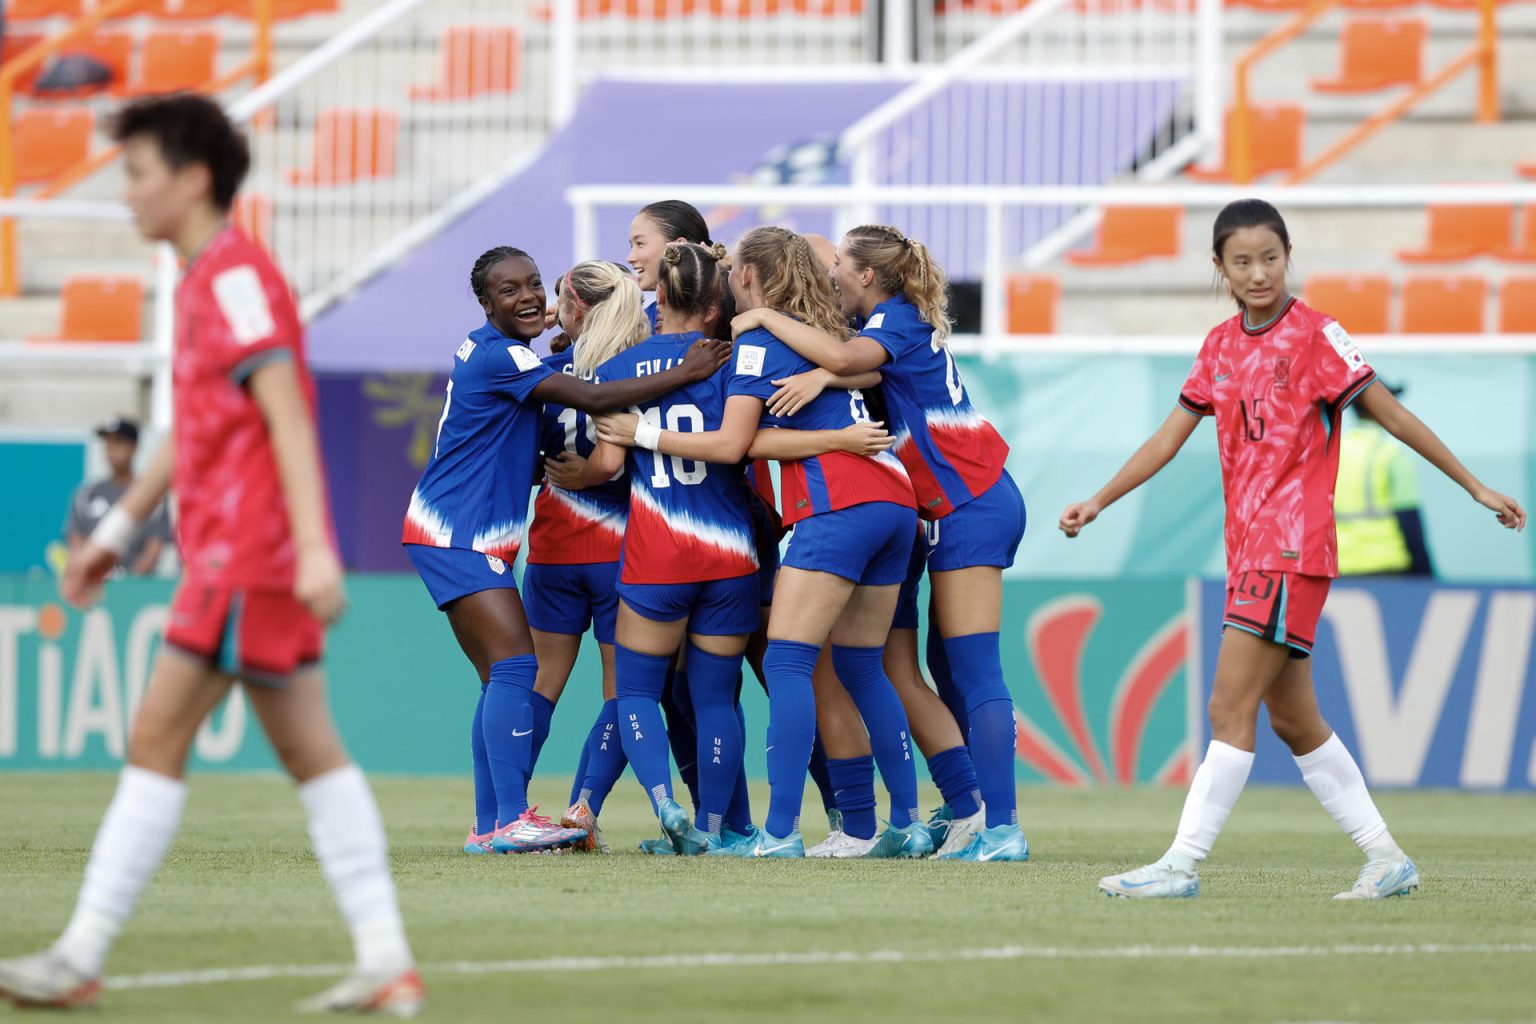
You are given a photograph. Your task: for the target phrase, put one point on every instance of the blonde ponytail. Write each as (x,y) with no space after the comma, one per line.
(615,313)
(904,266)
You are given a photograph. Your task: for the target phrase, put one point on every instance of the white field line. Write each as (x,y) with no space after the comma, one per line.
(685,961)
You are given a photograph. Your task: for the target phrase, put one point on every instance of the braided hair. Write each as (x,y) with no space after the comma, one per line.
(487,260)
(903,266)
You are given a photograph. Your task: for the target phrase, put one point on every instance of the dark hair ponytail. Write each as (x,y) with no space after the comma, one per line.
(678,219)
(1247,213)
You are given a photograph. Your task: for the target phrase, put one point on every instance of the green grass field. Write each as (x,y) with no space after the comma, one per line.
(751,941)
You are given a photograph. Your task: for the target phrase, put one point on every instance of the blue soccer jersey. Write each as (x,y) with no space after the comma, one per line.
(575,527)
(822,483)
(688,520)
(951,452)
(474,490)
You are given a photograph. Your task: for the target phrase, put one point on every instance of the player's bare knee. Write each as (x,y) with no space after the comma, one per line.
(159,743)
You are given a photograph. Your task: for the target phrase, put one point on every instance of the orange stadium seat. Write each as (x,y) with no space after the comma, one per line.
(47,141)
(1032,302)
(351,145)
(252,214)
(194,9)
(1523,248)
(1464,233)
(303,8)
(1377,53)
(29,10)
(1274,137)
(14,45)
(1517,305)
(1358,301)
(1526,170)
(477,59)
(113,50)
(175,60)
(1127,234)
(1378,5)
(1443,305)
(101,309)
(153,8)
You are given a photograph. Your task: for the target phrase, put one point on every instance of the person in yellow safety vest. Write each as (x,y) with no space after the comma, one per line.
(1376,504)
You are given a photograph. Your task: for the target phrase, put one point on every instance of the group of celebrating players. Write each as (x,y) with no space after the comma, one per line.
(657,523)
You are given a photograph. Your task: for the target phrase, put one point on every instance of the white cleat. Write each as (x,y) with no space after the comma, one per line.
(1153,882)
(46,980)
(961,832)
(389,995)
(841,844)
(1380,879)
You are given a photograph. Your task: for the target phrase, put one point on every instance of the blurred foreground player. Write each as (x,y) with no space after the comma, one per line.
(262,578)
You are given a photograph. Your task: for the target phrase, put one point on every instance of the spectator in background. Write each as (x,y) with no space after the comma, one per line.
(93,499)
(1376,503)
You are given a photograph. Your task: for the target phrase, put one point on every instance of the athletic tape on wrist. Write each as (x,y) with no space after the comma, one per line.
(647,434)
(115,531)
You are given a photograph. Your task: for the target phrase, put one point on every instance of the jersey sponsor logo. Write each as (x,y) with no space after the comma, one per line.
(1344,345)
(524,357)
(875,322)
(465,351)
(243,302)
(749,360)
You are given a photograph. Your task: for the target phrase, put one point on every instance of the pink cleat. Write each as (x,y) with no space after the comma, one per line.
(533,833)
(478,842)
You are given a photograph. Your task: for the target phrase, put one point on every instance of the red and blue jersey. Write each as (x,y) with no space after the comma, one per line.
(823,483)
(474,490)
(575,527)
(688,520)
(951,452)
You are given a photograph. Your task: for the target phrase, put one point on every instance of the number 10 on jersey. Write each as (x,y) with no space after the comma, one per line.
(680,419)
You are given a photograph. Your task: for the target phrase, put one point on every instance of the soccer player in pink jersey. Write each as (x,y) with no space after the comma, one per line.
(1277,378)
(262,577)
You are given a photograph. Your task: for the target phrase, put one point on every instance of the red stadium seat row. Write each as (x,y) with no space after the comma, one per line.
(168,60)
(1458,233)
(32,10)
(1428,304)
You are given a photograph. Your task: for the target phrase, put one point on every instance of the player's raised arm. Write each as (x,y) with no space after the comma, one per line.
(1399,421)
(90,563)
(1155,453)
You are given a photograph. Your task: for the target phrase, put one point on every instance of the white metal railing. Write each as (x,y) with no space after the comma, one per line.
(991,204)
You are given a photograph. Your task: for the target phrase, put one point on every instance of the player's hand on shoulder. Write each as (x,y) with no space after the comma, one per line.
(741,323)
(869,438)
(318,583)
(617,428)
(566,471)
(1077,516)
(796,392)
(705,356)
(85,574)
(1508,510)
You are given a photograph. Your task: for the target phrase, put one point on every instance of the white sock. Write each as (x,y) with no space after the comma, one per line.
(134,835)
(1335,779)
(1217,784)
(348,836)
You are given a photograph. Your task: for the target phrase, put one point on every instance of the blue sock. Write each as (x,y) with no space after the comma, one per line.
(955,776)
(641,678)
(853,779)
(682,730)
(821,776)
(977,664)
(581,766)
(507,724)
(791,729)
(605,758)
(712,683)
(738,816)
(862,671)
(943,679)
(543,711)
(485,786)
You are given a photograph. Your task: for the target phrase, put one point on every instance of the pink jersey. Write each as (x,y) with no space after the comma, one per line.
(1278,394)
(234,315)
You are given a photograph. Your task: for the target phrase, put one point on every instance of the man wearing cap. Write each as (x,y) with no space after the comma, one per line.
(1376,503)
(93,499)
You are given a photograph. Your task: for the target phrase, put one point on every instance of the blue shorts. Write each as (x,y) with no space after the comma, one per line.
(452,573)
(869,544)
(568,598)
(906,604)
(713,607)
(984,531)
(767,553)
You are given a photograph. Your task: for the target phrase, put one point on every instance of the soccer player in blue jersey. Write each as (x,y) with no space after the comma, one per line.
(650,232)
(466,518)
(854,519)
(973,512)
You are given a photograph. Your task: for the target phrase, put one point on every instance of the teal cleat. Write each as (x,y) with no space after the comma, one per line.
(938,824)
(1381,879)
(1001,842)
(729,838)
(661,847)
(902,843)
(765,845)
(677,823)
(1157,881)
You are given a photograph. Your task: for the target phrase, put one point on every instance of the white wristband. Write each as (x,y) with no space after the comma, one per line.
(647,434)
(115,531)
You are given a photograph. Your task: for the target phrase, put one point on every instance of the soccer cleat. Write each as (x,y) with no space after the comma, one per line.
(658,847)
(1380,879)
(677,823)
(46,980)
(840,845)
(478,842)
(765,845)
(579,815)
(1153,882)
(902,843)
(394,995)
(958,833)
(730,838)
(1001,842)
(938,825)
(533,833)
